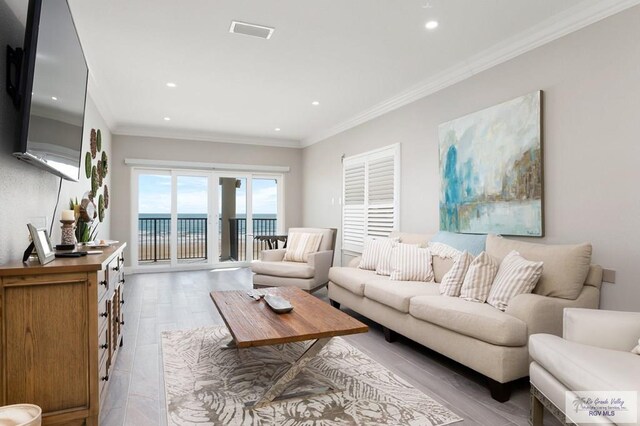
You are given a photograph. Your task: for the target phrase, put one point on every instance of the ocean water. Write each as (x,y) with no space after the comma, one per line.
(188,224)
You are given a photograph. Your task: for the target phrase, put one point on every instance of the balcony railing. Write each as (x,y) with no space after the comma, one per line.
(154,237)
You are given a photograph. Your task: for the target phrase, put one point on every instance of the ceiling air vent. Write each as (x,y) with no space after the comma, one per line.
(251,29)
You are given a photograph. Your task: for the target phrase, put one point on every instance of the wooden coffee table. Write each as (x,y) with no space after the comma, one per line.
(253,323)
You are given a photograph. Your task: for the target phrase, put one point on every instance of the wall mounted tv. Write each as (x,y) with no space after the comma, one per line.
(48,83)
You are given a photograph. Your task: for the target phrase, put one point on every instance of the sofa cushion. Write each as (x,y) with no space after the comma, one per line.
(411,263)
(582,367)
(440,266)
(409,238)
(565,266)
(477,320)
(451,282)
(516,275)
(351,279)
(284,269)
(375,252)
(300,244)
(397,294)
(474,244)
(477,282)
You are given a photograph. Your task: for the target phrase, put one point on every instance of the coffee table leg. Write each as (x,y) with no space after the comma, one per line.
(231,344)
(281,384)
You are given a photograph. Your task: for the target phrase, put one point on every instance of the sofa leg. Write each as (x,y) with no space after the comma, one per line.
(334,304)
(501,392)
(389,335)
(537,412)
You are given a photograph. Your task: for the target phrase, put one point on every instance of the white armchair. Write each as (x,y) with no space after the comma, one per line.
(273,271)
(593,354)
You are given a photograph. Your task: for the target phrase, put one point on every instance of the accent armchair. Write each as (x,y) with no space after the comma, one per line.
(273,271)
(593,354)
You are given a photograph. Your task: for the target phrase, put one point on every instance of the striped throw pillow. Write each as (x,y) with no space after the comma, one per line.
(452,281)
(410,263)
(516,275)
(375,252)
(300,244)
(477,281)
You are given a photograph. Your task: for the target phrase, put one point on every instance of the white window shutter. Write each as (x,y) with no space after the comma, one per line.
(353,210)
(381,196)
(371,188)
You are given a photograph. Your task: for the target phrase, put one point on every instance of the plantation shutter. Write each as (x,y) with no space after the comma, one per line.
(370,188)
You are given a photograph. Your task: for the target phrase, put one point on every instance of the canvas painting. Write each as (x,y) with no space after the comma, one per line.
(491,170)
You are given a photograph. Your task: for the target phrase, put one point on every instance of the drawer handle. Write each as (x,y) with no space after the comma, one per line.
(122,302)
(105,378)
(116,268)
(122,322)
(104,283)
(104,314)
(122,281)
(104,346)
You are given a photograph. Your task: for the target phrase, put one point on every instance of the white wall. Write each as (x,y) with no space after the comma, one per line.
(198,151)
(591,84)
(26,192)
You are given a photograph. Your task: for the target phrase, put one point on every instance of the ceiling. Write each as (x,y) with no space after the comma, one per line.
(357,58)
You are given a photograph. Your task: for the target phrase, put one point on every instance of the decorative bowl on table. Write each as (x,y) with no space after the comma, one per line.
(278,304)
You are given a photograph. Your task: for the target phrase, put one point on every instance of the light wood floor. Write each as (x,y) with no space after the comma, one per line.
(180,300)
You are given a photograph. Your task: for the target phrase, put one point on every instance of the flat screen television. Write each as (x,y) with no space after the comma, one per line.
(52,90)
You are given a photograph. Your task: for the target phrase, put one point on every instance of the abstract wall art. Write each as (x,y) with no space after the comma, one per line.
(491,170)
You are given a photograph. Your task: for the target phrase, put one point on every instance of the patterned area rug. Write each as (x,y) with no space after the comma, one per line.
(207,385)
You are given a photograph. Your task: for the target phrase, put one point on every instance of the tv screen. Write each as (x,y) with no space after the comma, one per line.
(54,87)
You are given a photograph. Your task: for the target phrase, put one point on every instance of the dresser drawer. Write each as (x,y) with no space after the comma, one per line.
(103,283)
(103,314)
(103,375)
(103,345)
(114,271)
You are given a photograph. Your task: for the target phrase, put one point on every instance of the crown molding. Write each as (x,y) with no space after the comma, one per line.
(551,29)
(164,133)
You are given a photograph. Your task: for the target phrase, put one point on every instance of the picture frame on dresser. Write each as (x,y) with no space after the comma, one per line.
(41,243)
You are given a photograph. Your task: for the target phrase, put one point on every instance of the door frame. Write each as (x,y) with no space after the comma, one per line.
(212,225)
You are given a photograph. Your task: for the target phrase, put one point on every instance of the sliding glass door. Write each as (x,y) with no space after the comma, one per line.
(189,219)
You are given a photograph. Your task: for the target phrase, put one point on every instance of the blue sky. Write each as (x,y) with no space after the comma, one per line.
(155,195)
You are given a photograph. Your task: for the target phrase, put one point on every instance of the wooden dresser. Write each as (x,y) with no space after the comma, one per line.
(61,326)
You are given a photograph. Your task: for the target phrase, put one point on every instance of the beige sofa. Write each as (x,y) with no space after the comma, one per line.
(477,335)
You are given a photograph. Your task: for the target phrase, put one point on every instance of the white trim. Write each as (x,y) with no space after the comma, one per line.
(192,165)
(551,29)
(167,133)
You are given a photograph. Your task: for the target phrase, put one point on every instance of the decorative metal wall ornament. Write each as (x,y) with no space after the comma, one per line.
(99,140)
(93,143)
(105,164)
(106,196)
(101,208)
(87,165)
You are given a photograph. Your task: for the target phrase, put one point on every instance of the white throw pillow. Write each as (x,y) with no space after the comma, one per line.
(410,263)
(300,244)
(480,275)
(636,350)
(452,281)
(443,250)
(516,275)
(375,252)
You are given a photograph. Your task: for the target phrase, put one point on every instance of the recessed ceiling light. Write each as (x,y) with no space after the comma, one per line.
(277,129)
(171,84)
(54,98)
(167,119)
(315,103)
(431,25)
